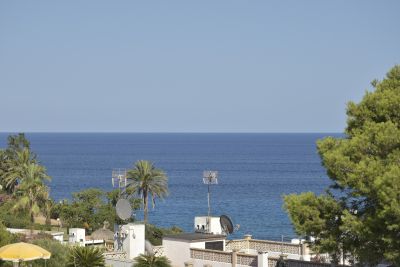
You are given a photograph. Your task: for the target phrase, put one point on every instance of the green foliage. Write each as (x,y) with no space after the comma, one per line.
(155,234)
(151,261)
(145,179)
(12,159)
(89,209)
(85,257)
(361,209)
(6,237)
(18,142)
(23,177)
(312,216)
(13,219)
(59,253)
(32,192)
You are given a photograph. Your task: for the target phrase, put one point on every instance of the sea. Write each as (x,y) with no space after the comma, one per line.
(255,171)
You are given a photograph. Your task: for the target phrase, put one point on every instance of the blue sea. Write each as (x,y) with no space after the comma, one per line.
(255,171)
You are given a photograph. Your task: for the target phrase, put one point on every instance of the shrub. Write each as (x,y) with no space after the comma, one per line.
(85,257)
(59,253)
(155,234)
(151,261)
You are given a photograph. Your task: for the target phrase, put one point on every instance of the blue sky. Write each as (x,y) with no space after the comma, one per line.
(185,66)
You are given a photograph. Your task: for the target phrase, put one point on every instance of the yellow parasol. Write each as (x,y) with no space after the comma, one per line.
(19,252)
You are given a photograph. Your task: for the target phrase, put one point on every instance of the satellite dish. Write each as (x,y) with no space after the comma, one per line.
(124,210)
(226,224)
(148,247)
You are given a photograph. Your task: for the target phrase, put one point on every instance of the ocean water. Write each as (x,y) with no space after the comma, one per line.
(255,171)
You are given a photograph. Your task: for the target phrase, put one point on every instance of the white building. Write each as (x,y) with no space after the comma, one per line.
(129,242)
(177,247)
(207,224)
(77,236)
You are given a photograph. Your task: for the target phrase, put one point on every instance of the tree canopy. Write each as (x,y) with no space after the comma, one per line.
(360,213)
(13,159)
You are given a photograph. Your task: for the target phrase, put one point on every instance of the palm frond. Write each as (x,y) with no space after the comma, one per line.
(146,180)
(151,261)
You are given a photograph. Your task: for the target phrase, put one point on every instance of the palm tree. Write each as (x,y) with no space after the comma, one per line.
(151,261)
(15,168)
(145,179)
(85,257)
(32,191)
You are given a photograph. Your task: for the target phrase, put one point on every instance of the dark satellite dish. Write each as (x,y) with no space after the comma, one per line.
(124,210)
(226,224)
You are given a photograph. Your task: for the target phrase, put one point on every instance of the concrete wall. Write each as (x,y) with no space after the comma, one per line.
(201,245)
(132,237)
(202,263)
(177,252)
(215,226)
(288,256)
(201,257)
(58,237)
(264,245)
(118,263)
(77,235)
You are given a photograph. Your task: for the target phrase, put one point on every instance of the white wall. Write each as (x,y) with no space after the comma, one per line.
(177,252)
(201,263)
(58,237)
(133,243)
(201,245)
(118,263)
(77,235)
(215,226)
(289,256)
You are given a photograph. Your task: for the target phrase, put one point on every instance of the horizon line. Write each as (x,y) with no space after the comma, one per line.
(170,132)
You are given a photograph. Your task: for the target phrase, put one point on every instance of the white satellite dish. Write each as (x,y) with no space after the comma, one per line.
(124,209)
(148,247)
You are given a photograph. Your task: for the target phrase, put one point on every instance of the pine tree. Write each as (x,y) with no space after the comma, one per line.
(360,212)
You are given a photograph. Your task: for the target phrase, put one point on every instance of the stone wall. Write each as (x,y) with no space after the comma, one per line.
(211,255)
(117,259)
(248,260)
(225,257)
(221,258)
(264,245)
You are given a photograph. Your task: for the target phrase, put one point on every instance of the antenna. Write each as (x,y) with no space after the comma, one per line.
(123,207)
(210,178)
(118,179)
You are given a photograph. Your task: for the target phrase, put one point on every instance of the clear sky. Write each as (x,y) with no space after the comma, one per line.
(190,66)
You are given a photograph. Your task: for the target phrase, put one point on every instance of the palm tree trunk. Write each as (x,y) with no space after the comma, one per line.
(32,223)
(145,203)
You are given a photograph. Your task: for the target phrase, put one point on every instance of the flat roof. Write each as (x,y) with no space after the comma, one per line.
(195,237)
